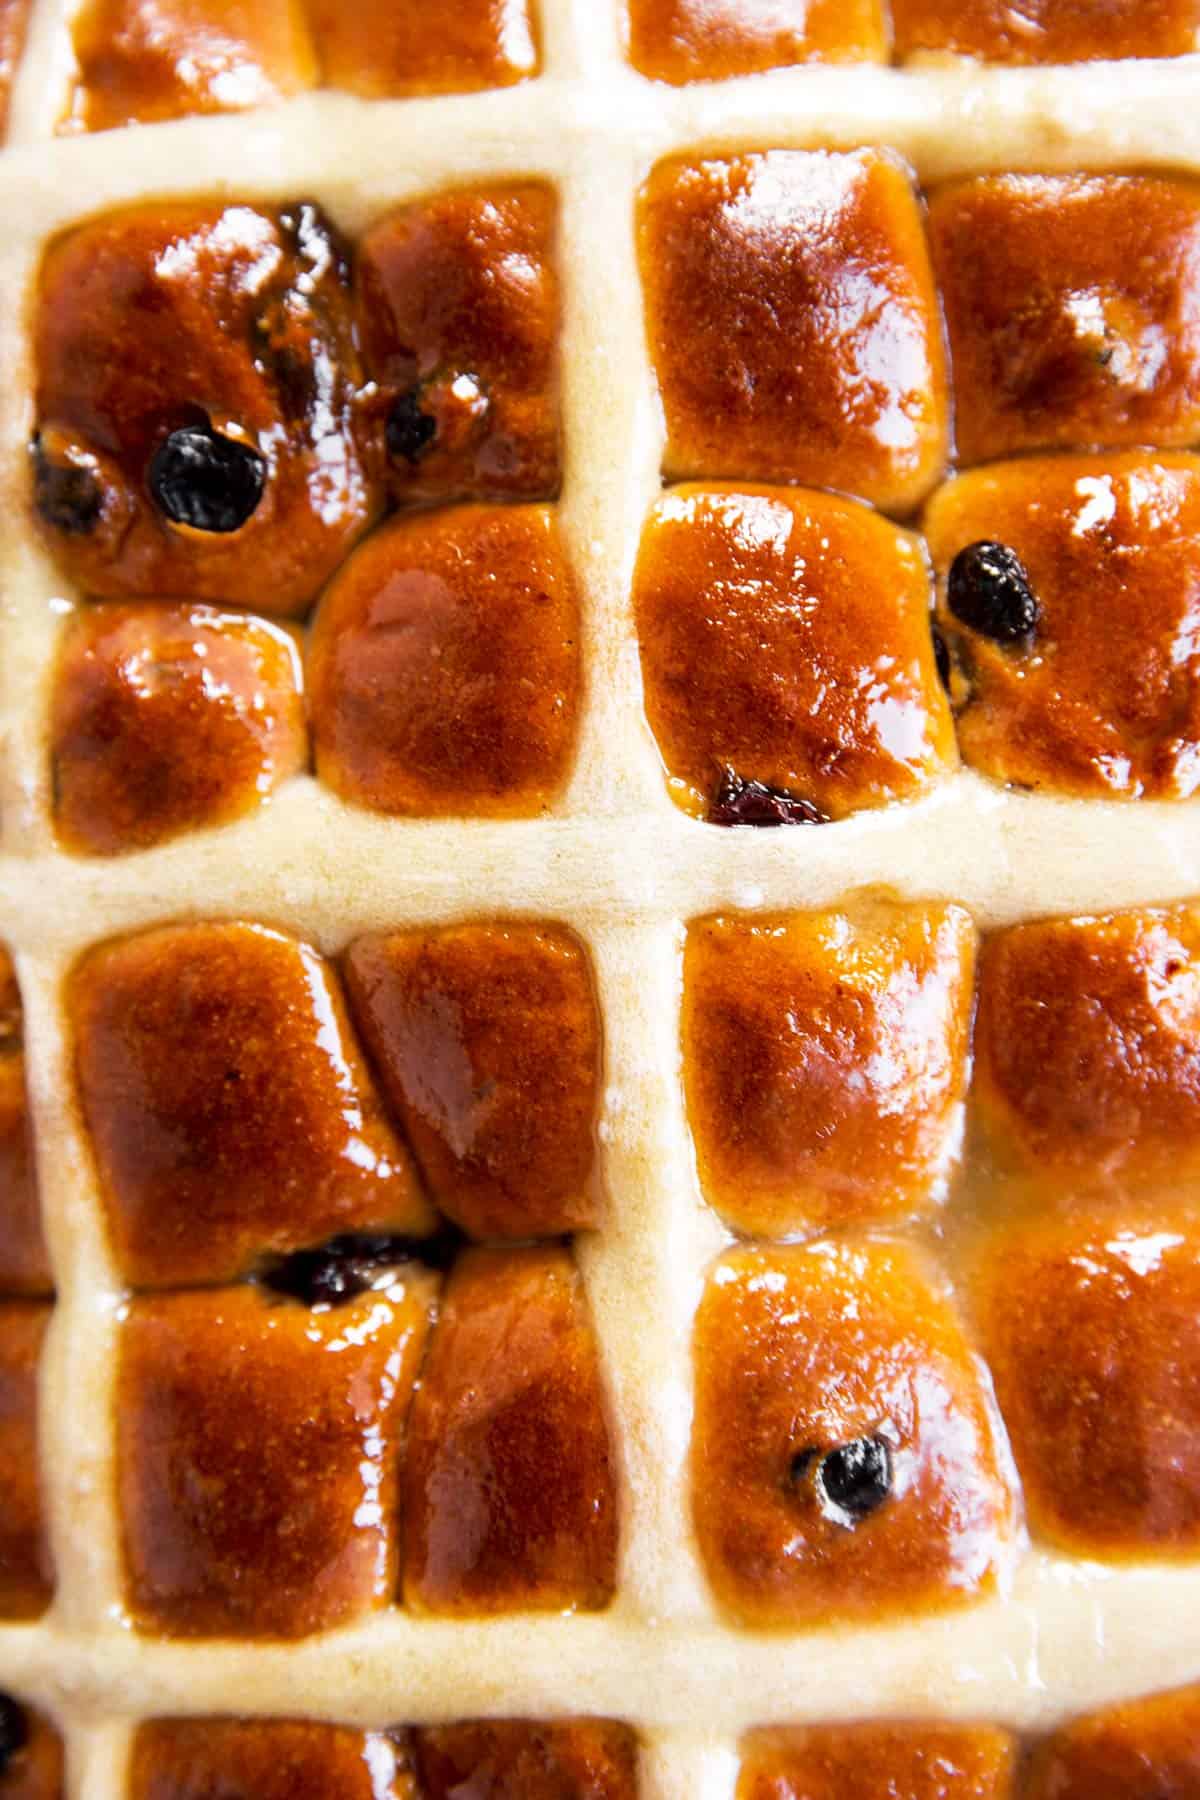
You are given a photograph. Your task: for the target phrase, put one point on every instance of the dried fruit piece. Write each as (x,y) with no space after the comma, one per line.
(345,1267)
(988,591)
(67,494)
(741,802)
(206,481)
(850,1481)
(410,432)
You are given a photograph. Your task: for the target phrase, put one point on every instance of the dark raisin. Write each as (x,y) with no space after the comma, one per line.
(856,1478)
(741,802)
(989,592)
(410,432)
(207,481)
(67,495)
(941,656)
(334,1272)
(848,1482)
(345,1267)
(14,1730)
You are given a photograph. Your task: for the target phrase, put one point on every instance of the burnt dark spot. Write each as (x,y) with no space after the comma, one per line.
(848,1482)
(206,481)
(988,591)
(941,656)
(410,432)
(741,802)
(14,1730)
(67,495)
(339,1271)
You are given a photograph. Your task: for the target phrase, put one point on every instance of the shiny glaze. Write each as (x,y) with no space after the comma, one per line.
(1047,31)
(258,1456)
(36,1771)
(24,1264)
(825,1061)
(709,40)
(516,1759)
(26,1572)
(147,319)
(864,1762)
(166,718)
(1087,1050)
(384,48)
(234,1759)
(1142,1750)
(803,1348)
(786,635)
(14,17)
(794,324)
(1091,1326)
(142,60)
(458,309)
(230,1109)
(444,669)
(1073,306)
(487,1043)
(509,1489)
(1106,699)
